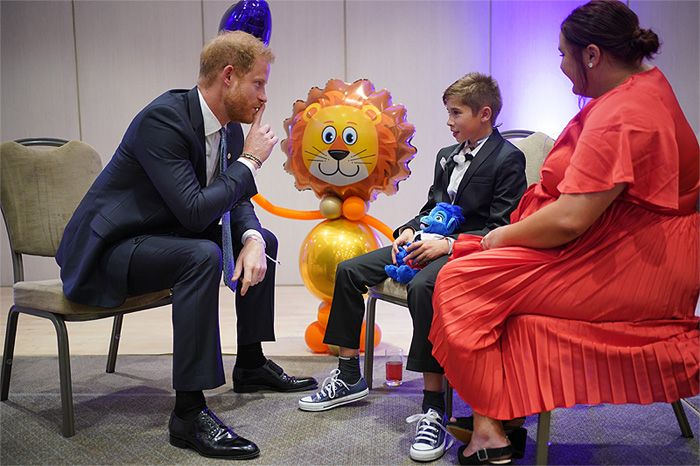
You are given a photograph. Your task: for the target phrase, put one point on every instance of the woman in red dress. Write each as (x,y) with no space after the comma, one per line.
(601,255)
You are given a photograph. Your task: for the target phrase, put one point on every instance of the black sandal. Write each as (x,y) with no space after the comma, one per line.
(501,455)
(463,427)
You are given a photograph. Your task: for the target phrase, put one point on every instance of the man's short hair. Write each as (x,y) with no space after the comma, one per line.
(476,91)
(236,48)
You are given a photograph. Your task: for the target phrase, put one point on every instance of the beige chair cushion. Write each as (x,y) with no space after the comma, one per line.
(535,147)
(47,295)
(392,289)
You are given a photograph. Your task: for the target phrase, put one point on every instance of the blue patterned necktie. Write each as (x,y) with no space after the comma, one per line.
(226,243)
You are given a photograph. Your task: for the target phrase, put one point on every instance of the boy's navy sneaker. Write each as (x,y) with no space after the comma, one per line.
(429,443)
(334,392)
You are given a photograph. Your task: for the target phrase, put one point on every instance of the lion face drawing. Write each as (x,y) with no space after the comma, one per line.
(347,140)
(340,142)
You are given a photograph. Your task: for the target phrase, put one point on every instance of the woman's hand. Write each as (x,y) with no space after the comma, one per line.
(495,238)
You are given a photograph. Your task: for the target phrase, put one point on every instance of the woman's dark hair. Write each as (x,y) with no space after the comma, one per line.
(613,27)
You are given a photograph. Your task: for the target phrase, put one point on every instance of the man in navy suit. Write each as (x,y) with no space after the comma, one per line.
(483,174)
(151,219)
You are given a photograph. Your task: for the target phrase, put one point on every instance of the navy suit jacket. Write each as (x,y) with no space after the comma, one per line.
(154,184)
(489,191)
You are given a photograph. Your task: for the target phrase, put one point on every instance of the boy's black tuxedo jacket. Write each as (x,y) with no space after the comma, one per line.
(489,191)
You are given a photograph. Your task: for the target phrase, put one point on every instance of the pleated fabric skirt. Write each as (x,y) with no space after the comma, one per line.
(609,318)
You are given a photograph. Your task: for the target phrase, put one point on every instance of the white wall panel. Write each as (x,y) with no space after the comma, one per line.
(677,23)
(415,50)
(128,54)
(307,39)
(39,86)
(525,61)
(38,94)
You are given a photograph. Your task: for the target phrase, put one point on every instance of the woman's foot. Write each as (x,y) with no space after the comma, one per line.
(485,456)
(488,444)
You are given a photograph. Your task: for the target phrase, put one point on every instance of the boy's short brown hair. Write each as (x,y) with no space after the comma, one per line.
(476,91)
(236,48)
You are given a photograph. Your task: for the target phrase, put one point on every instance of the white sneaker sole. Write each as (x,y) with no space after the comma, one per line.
(427,455)
(325,406)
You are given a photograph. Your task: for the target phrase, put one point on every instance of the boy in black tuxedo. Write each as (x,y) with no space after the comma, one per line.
(483,174)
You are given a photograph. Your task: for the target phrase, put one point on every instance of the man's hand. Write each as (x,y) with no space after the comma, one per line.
(260,139)
(422,252)
(406,236)
(252,263)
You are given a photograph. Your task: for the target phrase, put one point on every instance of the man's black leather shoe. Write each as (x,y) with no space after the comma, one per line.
(269,376)
(210,437)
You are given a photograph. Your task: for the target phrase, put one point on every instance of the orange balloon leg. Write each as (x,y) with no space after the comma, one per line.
(314,337)
(324,310)
(377,336)
(316,331)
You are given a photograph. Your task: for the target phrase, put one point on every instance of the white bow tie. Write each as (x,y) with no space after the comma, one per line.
(461,159)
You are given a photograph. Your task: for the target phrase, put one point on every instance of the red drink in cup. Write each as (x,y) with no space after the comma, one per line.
(394,373)
(394,367)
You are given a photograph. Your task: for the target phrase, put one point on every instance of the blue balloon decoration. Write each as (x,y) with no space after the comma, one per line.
(251,16)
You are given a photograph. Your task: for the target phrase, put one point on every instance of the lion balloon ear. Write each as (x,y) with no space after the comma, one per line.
(310,111)
(373,113)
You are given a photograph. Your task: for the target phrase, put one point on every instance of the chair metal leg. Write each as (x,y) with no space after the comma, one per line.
(114,343)
(369,340)
(542,452)
(8,353)
(448,398)
(68,427)
(686,431)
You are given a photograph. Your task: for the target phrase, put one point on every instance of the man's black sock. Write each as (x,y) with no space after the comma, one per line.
(189,404)
(349,369)
(250,356)
(435,400)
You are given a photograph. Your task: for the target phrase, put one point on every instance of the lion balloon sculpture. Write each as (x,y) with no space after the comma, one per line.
(347,143)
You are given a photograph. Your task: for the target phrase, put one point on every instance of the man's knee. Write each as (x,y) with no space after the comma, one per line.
(205,255)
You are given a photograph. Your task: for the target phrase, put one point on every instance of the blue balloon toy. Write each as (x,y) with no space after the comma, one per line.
(251,16)
(442,221)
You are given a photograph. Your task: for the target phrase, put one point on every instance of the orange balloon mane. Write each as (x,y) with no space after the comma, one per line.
(348,140)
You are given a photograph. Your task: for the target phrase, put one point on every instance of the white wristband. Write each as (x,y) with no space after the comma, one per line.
(253,234)
(450,242)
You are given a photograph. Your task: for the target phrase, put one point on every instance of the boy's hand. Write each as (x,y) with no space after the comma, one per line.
(406,236)
(260,139)
(422,252)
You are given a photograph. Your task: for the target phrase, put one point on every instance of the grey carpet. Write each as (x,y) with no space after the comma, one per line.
(121,418)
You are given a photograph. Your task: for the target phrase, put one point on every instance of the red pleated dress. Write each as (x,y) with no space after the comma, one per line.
(608,317)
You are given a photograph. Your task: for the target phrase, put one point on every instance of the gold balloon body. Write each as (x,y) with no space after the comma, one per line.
(327,245)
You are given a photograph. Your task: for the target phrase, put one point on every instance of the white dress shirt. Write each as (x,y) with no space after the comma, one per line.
(461,166)
(212,138)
